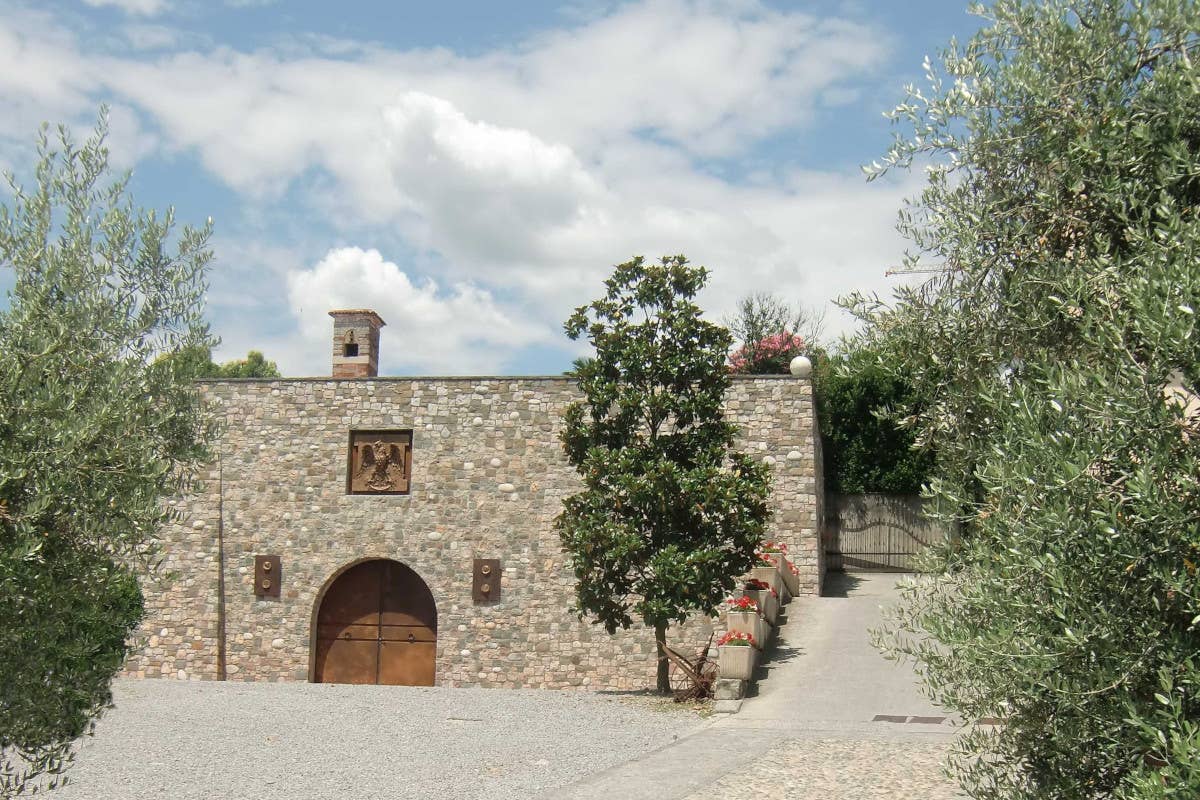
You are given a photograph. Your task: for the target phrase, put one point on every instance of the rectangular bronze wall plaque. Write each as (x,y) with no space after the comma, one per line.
(379,462)
(267,576)
(486,586)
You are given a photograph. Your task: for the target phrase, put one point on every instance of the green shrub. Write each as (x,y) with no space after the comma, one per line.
(864,448)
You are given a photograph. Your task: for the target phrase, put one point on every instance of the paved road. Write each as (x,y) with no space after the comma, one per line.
(810,733)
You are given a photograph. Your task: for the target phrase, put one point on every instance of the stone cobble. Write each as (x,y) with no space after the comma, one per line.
(841,769)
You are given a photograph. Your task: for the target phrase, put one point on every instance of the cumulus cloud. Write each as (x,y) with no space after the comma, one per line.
(42,73)
(458,330)
(480,189)
(708,77)
(704,78)
(518,175)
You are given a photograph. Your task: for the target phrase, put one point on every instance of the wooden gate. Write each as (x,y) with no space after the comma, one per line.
(377,623)
(877,532)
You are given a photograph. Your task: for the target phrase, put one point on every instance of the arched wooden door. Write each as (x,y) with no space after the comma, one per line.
(377,623)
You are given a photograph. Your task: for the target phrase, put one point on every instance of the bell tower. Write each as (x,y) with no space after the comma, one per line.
(356,343)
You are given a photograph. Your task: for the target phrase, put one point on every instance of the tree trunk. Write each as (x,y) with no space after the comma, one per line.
(664,666)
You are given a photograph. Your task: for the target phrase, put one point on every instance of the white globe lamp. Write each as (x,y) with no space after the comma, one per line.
(801,367)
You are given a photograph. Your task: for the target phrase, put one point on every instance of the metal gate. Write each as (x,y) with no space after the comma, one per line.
(877,532)
(377,623)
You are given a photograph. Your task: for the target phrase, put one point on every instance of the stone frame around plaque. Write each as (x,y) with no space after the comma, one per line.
(379,462)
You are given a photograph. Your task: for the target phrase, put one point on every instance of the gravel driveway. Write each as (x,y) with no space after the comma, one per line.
(184,740)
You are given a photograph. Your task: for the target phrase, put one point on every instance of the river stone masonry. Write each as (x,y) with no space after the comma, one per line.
(488,478)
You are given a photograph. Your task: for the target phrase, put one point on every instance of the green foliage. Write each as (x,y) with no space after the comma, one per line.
(199,361)
(1060,226)
(96,429)
(254,365)
(865,447)
(670,514)
(578,364)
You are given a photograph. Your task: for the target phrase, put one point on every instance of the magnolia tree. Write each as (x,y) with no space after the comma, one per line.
(669,513)
(1061,231)
(96,428)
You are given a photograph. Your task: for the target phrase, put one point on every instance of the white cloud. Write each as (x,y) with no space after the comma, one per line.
(522,173)
(460,331)
(42,74)
(145,8)
(480,190)
(705,78)
(709,77)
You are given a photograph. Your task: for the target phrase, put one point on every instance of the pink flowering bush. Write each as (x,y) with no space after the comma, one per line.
(770,355)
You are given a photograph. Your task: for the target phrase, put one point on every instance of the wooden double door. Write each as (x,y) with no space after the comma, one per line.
(377,623)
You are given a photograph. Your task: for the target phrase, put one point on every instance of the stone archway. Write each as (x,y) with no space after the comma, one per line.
(376,622)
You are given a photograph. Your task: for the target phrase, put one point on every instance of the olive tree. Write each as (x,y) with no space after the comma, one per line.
(1055,348)
(669,513)
(96,428)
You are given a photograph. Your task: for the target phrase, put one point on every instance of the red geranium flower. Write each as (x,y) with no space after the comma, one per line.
(737,639)
(742,603)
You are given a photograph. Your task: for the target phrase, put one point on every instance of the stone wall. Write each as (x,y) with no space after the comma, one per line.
(488,478)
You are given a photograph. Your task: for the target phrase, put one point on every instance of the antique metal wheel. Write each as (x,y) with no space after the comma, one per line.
(692,678)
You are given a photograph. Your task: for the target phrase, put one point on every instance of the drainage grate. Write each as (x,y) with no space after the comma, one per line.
(911,720)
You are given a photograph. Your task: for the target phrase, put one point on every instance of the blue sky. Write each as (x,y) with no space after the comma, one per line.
(472,170)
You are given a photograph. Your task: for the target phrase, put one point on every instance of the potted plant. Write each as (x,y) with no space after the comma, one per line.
(738,655)
(787,570)
(767,570)
(766,597)
(742,616)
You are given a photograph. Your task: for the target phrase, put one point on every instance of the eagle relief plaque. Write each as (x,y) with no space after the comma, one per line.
(380,462)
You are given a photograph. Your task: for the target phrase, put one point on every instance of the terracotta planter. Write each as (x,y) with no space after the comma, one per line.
(769,576)
(767,603)
(747,622)
(737,661)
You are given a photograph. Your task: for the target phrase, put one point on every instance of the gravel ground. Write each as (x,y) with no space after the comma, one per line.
(299,741)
